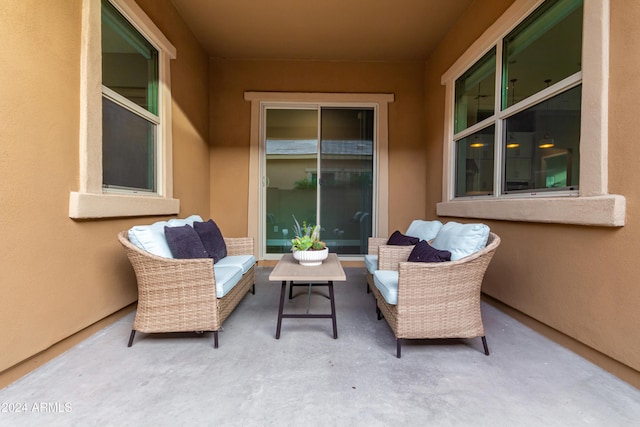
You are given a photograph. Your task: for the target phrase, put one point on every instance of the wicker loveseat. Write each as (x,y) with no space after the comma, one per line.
(434,299)
(179,295)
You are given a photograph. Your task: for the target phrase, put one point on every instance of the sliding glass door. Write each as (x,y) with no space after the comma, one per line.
(319,169)
(291,174)
(346,196)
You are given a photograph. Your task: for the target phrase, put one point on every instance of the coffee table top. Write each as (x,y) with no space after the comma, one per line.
(288,268)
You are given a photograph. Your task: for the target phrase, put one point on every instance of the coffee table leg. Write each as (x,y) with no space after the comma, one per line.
(333,310)
(283,291)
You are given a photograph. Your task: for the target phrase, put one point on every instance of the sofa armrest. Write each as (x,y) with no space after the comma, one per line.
(374,243)
(239,245)
(437,280)
(168,288)
(390,255)
(155,268)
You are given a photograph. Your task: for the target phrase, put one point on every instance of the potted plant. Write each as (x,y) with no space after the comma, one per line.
(307,247)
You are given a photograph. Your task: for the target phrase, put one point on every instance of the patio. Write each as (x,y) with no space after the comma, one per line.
(307,378)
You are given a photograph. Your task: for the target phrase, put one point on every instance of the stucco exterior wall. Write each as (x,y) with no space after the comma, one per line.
(59,275)
(579,280)
(231,115)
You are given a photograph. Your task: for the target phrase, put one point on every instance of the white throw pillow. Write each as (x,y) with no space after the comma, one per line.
(424,230)
(461,239)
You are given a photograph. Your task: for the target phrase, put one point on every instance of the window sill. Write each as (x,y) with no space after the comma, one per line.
(89,205)
(605,211)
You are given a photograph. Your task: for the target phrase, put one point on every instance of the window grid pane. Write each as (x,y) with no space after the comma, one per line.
(129,61)
(544,49)
(475,164)
(542,145)
(128,149)
(475,93)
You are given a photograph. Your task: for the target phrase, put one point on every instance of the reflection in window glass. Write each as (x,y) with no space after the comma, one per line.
(129,135)
(544,49)
(291,173)
(539,139)
(543,145)
(346,196)
(475,93)
(129,61)
(474,163)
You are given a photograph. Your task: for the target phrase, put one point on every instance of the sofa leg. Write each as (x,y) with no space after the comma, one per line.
(368,289)
(379,313)
(484,344)
(253,289)
(398,347)
(215,339)
(133,333)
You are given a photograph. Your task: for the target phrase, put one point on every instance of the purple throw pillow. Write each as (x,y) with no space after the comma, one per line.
(212,239)
(184,242)
(399,239)
(424,252)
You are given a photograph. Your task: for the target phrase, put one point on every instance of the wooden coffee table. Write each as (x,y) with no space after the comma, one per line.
(289,270)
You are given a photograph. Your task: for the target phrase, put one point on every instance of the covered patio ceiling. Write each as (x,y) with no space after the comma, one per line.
(341,30)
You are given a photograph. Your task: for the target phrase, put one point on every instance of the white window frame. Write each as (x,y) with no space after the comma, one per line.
(593,205)
(91,201)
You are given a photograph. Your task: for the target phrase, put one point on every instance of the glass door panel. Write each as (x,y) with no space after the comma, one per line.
(346,178)
(291,174)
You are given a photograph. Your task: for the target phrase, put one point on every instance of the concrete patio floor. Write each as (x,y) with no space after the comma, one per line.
(306,378)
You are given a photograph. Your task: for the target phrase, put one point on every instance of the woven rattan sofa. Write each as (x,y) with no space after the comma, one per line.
(434,300)
(179,295)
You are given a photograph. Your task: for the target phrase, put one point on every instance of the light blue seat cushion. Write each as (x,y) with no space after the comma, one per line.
(461,239)
(227,276)
(387,283)
(245,262)
(151,238)
(371,262)
(424,230)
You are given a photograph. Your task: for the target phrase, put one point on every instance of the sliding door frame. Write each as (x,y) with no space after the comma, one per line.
(260,101)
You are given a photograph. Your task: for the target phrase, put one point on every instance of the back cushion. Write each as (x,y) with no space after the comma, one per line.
(461,239)
(176,222)
(151,238)
(424,230)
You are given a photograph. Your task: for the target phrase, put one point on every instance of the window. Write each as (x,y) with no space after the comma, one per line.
(125,135)
(516,134)
(129,105)
(531,117)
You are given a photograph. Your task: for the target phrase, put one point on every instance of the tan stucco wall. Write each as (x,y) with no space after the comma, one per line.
(231,115)
(59,275)
(582,281)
